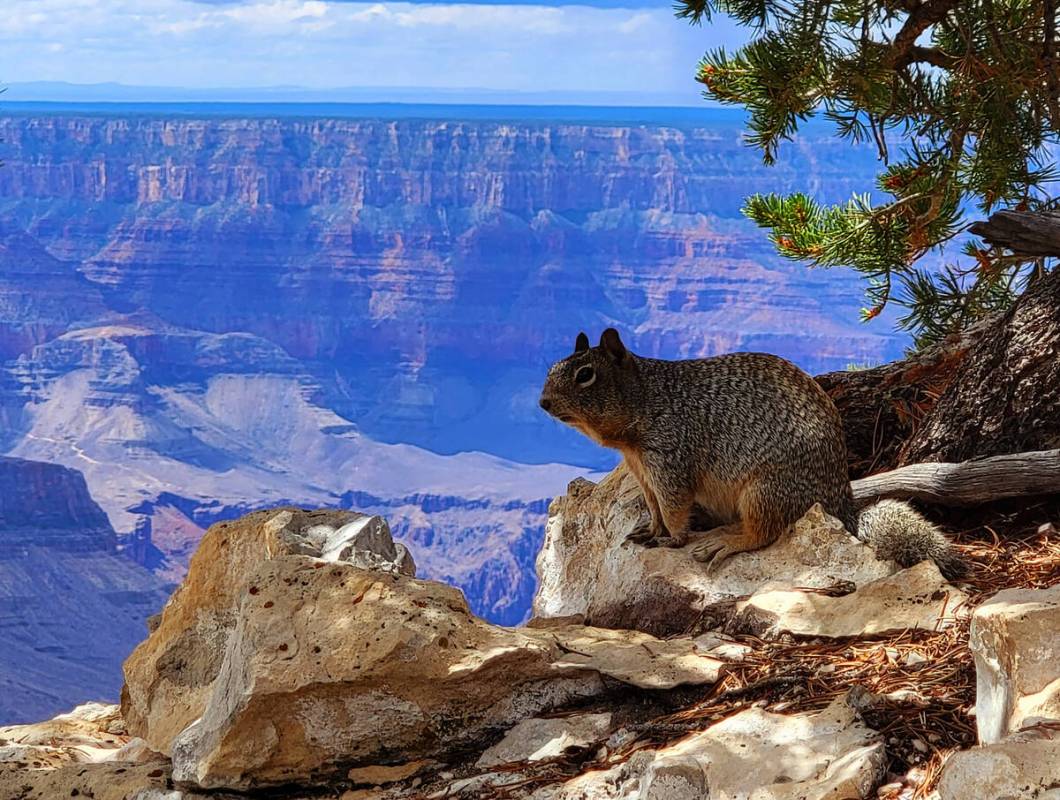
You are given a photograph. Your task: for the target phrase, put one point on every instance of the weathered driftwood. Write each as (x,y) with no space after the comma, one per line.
(1027,233)
(968,482)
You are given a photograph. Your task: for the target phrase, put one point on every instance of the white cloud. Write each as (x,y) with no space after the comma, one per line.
(326,44)
(635,23)
(272,14)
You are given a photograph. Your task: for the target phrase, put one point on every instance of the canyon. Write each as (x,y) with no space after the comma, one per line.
(425,271)
(209,314)
(71,606)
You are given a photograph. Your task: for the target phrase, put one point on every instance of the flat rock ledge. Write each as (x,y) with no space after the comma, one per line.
(586,569)
(301,656)
(753,755)
(918,598)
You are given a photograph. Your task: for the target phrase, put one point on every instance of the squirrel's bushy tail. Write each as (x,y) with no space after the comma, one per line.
(897,531)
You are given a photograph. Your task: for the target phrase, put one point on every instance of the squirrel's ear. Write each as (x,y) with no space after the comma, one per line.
(612,344)
(581,344)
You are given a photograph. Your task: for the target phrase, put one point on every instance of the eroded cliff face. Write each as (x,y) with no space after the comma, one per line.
(176,429)
(427,271)
(49,506)
(71,606)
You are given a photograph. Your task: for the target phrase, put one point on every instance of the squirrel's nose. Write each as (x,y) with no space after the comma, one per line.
(546,404)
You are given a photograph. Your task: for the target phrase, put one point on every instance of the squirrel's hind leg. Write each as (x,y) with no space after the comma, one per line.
(669,524)
(761,523)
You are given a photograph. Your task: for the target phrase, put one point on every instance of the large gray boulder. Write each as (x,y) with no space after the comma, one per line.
(1015,638)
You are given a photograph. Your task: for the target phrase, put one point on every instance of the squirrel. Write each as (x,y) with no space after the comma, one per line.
(749,437)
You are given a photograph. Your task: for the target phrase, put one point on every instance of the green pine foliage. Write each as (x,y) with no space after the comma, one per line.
(962,100)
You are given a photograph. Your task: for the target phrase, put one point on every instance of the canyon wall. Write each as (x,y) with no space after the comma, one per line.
(71,606)
(210,315)
(426,272)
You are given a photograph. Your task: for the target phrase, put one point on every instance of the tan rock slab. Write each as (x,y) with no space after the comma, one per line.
(915,598)
(537,739)
(637,658)
(586,567)
(169,677)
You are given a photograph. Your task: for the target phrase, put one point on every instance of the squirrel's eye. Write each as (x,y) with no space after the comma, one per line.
(585,376)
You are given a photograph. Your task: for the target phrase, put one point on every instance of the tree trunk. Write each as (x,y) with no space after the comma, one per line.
(883,407)
(1006,396)
(994,390)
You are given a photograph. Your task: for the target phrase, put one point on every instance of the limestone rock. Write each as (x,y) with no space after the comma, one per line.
(587,568)
(635,658)
(170,675)
(918,597)
(285,666)
(91,732)
(753,755)
(1024,766)
(330,664)
(107,781)
(536,739)
(1015,638)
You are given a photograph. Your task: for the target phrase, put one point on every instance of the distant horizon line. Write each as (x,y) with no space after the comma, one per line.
(680,116)
(68,92)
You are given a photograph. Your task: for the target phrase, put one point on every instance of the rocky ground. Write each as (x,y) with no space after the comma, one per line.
(300,658)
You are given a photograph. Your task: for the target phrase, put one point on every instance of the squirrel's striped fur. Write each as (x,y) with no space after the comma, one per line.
(749,437)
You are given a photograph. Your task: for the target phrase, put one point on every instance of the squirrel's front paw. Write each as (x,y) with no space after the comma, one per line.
(713,551)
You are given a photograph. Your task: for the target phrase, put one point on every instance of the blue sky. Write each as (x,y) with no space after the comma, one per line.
(612,49)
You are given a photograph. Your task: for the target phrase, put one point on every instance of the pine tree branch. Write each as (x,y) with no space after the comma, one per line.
(975,87)
(918,21)
(1049,61)
(932,56)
